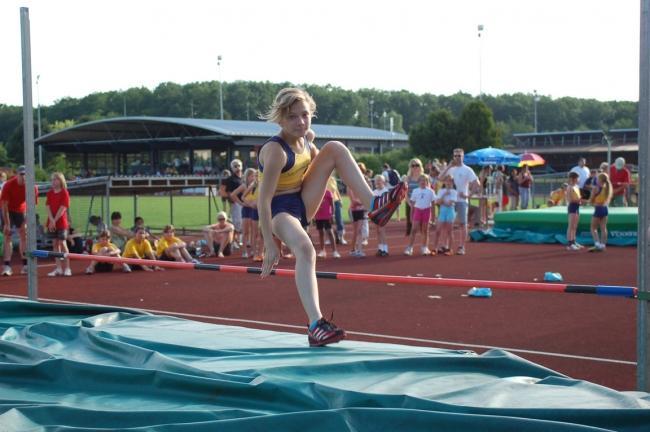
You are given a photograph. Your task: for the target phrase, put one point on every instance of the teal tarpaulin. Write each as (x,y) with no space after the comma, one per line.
(65,368)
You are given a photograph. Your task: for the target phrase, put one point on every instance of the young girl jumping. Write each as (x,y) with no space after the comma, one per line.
(421,199)
(292,180)
(601,195)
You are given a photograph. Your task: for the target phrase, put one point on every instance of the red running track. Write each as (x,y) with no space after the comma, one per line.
(583,336)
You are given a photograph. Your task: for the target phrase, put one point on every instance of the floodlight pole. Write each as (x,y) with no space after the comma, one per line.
(219,58)
(28,141)
(535,100)
(643,255)
(480,61)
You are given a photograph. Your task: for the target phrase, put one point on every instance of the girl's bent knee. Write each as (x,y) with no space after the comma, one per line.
(305,250)
(335,146)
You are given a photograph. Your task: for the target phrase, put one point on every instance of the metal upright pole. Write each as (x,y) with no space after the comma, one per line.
(643,311)
(220,87)
(28,141)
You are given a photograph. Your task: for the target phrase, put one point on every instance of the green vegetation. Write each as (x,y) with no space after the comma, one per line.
(245,100)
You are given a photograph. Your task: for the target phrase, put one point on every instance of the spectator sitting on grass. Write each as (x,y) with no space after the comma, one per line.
(219,236)
(139,247)
(138,223)
(120,234)
(104,247)
(172,248)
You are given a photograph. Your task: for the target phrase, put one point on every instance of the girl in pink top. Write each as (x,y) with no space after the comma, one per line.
(323,220)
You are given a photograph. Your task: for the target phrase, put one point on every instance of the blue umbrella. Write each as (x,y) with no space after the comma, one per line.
(491,156)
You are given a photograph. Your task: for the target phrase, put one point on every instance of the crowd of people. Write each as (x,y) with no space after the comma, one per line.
(272,205)
(437,200)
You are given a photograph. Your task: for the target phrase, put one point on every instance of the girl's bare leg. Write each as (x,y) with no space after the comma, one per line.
(333,155)
(330,235)
(594,229)
(289,230)
(603,230)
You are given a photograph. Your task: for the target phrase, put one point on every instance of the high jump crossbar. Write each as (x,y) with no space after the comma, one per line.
(602,290)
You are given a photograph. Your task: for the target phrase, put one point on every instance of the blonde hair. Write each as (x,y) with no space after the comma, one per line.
(380,178)
(425,178)
(283,102)
(222,214)
(607,189)
(61,177)
(411,162)
(248,172)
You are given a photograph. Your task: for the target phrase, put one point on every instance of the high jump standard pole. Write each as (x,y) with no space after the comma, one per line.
(28,143)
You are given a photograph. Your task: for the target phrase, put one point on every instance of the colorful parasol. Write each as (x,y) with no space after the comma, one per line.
(531,159)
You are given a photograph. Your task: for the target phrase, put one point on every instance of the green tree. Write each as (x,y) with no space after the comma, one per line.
(4,156)
(476,127)
(436,136)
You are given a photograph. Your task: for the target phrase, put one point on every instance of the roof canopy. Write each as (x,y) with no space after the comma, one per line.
(169,132)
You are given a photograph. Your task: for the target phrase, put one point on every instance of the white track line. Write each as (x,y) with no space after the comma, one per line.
(374,335)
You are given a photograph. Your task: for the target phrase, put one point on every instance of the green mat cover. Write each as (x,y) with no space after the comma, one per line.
(548,225)
(65,368)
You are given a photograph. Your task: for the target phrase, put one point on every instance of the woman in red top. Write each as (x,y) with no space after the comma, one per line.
(58,203)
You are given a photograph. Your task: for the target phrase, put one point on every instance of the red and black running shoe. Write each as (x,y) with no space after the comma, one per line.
(385,204)
(325,332)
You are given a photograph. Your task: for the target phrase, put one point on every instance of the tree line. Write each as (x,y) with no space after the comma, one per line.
(443,118)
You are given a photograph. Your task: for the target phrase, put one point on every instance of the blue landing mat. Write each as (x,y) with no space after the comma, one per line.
(65,368)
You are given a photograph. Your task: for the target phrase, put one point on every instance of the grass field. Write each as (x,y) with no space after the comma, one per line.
(184,212)
(188,212)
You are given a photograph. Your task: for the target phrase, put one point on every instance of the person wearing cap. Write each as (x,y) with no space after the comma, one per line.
(621,179)
(232,183)
(14,210)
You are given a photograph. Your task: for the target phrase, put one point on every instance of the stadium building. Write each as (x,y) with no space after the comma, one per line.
(561,150)
(148,146)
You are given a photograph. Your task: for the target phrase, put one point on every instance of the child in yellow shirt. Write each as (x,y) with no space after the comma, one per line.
(172,248)
(139,247)
(104,247)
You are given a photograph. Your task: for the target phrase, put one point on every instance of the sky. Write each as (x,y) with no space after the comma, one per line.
(578,48)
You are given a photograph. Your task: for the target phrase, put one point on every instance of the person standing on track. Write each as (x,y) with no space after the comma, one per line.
(421,201)
(293,177)
(464,180)
(601,196)
(238,197)
(232,183)
(573,209)
(412,179)
(14,210)
(58,203)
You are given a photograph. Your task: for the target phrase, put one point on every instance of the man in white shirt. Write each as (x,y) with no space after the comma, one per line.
(583,174)
(464,179)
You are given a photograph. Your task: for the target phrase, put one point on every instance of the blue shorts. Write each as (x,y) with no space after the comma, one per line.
(573,207)
(600,211)
(255,215)
(292,204)
(447,214)
(246,213)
